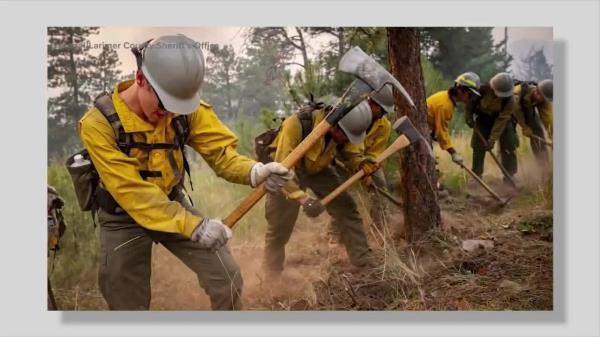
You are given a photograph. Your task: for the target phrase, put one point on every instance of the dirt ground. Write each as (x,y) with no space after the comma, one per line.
(433,274)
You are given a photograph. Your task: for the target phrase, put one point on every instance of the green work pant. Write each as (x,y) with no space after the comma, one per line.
(125,264)
(281,214)
(508,145)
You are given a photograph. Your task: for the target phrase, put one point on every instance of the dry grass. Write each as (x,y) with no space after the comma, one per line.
(432,274)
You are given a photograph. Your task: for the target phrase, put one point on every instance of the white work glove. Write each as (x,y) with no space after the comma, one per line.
(457,158)
(211,234)
(275,174)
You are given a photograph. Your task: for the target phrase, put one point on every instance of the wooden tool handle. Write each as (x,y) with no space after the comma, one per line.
(398,144)
(482,183)
(356,177)
(542,140)
(318,131)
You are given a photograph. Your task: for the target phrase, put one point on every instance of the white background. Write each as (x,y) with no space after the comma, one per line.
(23,166)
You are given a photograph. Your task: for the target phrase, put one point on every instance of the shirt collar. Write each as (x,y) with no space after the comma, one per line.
(130,120)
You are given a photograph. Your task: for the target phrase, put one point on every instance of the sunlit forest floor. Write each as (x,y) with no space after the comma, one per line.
(436,273)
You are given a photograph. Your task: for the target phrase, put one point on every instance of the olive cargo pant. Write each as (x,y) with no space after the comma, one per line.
(125,265)
(282,213)
(508,145)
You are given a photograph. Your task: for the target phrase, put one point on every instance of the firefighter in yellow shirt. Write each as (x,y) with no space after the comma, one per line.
(440,109)
(534,114)
(376,141)
(141,166)
(492,116)
(314,171)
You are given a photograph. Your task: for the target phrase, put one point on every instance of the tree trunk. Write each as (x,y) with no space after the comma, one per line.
(73,77)
(302,48)
(418,177)
(341,41)
(228,92)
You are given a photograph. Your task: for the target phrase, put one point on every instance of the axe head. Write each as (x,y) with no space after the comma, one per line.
(403,126)
(357,63)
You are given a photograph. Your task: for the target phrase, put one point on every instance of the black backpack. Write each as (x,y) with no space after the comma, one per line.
(263,141)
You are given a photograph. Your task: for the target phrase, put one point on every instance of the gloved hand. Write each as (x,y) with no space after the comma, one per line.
(313,207)
(369,166)
(211,234)
(527,132)
(275,174)
(490,145)
(457,158)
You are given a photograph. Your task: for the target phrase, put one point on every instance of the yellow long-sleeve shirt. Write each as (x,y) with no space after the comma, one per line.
(440,109)
(375,143)
(317,158)
(146,201)
(377,138)
(526,102)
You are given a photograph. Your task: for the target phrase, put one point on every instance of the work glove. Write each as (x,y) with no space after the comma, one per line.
(211,234)
(275,174)
(369,166)
(457,158)
(313,207)
(490,145)
(527,132)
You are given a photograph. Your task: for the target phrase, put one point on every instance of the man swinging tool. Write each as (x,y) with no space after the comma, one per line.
(491,118)
(363,155)
(440,111)
(314,171)
(135,139)
(534,116)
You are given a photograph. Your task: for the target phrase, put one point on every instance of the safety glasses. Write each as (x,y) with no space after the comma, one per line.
(160,103)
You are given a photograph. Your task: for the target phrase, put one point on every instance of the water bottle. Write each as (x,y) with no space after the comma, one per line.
(79,161)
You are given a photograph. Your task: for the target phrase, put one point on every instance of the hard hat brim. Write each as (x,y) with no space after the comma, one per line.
(352,138)
(475,91)
(178,105)
(503,94)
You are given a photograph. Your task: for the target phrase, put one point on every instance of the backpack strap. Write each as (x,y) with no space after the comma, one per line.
(306,121)
(306,115)
(104,103)
(182,131)
(125,140)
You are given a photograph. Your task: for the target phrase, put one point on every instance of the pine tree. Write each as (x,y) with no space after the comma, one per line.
(454,50)
(535,67)
(106,73)
(69,67)
(220,81)
(261,78)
